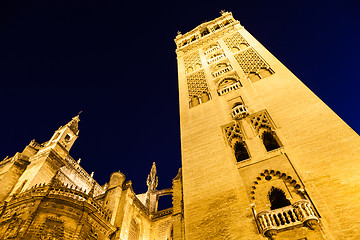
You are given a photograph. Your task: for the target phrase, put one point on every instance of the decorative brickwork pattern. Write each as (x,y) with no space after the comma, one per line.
(197,84)
(192,62)
(250,61)
(235,40)
(261,120)
(232,131)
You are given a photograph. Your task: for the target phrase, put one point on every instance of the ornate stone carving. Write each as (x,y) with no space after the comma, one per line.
(197,84)
(235,40)
(261,120)
(250,61)
(233,131)
(152,179)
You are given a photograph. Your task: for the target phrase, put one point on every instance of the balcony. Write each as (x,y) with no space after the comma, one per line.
(300,213)
(212,49)
(238,112)
(229,88)
(215,58)
(224,70)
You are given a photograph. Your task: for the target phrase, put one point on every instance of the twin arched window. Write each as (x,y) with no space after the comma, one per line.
(240,151)
(270,140)
(278,198)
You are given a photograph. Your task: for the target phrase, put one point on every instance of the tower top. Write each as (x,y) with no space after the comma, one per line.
(204,30)
(74,124)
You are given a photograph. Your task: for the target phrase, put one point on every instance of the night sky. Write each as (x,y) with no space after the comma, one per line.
(116,62)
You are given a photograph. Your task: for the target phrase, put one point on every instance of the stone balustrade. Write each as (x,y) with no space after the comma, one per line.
(216,58)
(221,71)
(98,189)
(301,212)
(164,212)
(212,49)
(239,112)
(229,88)
(73,192)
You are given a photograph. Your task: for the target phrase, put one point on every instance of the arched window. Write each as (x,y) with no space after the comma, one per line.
(253,77)
(204,97)
(190,69)
(205,32)
(263,72)
(235,49)
(243,46)
(194,101)
(197,66)
(134,230)
(240,151)
(278,198)
(227,82)
(269,140)
(220,65)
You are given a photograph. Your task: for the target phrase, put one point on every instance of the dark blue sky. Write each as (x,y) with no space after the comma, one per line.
(116,61)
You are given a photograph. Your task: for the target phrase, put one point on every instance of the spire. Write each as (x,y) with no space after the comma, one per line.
(74,123)
(92,190)
(152,179)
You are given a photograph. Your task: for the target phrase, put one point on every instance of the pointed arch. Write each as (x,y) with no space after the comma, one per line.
(240,151)
(277,198)
(134,230)
(272,174)
(270,140)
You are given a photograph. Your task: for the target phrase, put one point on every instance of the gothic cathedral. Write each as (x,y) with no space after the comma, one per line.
(262,158)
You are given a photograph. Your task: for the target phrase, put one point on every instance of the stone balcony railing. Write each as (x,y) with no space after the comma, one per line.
(216,58)
(221,71)
(212,49)
(300,213)
(229,88)
(239,112)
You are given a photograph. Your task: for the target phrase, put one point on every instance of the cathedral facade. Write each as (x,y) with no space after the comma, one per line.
(262,158)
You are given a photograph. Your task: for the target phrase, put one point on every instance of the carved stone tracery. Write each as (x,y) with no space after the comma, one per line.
(251,62)
(235,40)
(233,131)
(261,120)
(192,62)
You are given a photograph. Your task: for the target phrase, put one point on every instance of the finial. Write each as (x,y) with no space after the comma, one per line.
(78,161)
(178,33)
(74,123)
(92,190)
(222,12)
(152,179)
(92,174)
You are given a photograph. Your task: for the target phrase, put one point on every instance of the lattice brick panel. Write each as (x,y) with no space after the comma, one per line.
(192,59)
(250,61)
(235,40)
(233,131)
(197,84)
(260,120)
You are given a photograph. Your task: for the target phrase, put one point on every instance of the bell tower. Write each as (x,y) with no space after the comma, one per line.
(48,157)
(262,156)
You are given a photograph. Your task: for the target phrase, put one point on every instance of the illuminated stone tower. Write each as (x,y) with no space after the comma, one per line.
(262,156)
